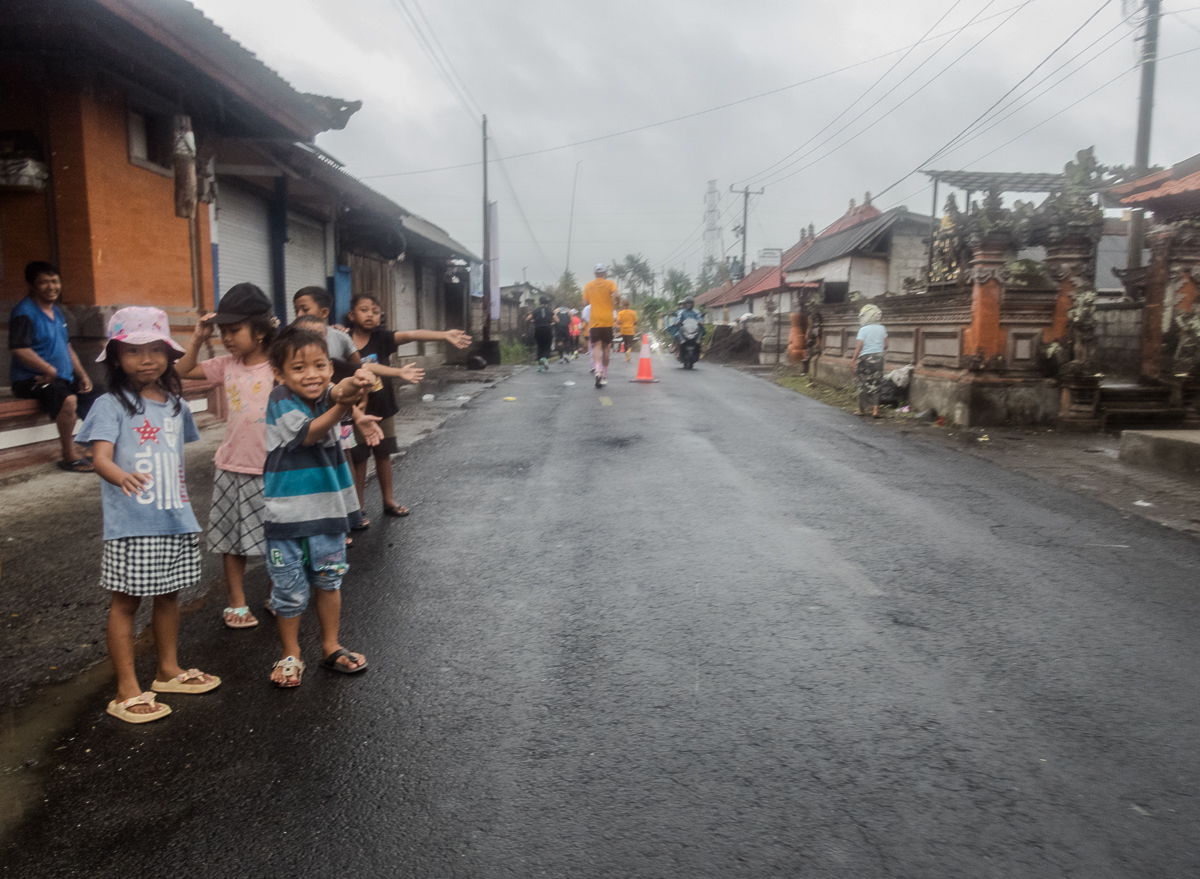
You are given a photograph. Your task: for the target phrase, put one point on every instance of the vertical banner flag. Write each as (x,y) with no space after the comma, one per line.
(477,280)
(494,268)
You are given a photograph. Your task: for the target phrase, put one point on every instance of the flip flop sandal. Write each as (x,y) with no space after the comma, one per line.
(331,662)
(366,523)
(242,620)
(293,672)
(268,608)
(188,682)
(81,465)
(396,511)
(121,710)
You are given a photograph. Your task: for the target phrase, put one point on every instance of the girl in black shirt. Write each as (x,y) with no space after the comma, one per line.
(376,344)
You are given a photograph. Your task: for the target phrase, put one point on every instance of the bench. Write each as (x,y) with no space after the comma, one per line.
(26,432)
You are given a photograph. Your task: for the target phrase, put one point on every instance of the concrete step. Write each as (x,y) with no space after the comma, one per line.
(1141,417)
(1177,451)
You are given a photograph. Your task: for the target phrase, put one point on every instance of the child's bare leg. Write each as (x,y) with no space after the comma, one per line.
(329,613)
(289,637)
(383,472)
(235,577)
(358,469)
(165,623)
(120,647)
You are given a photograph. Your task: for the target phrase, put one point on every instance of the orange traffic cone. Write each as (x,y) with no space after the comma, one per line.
(645,373)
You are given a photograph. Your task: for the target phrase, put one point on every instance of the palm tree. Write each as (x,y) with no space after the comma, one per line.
(677,284)
(638,274)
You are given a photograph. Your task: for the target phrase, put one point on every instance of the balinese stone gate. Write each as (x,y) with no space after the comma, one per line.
(993,339)
(1169,285)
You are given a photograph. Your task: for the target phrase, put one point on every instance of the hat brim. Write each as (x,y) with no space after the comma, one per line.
(141,339)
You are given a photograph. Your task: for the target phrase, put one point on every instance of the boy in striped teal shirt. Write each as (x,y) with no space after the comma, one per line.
(310,498)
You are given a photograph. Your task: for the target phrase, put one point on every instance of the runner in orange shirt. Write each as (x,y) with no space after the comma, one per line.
(627,320)
(599,293)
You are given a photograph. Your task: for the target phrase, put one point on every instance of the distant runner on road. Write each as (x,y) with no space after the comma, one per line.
(591,349)
(598,293)
(627,320)
(562,333)
(576,329)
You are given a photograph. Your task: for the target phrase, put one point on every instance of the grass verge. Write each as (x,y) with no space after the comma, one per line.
(513,353)
(842,398)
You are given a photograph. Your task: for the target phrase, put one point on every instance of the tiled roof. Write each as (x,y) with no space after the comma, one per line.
(759,280)
(1191,183)
(852,217)
(712,293)
(1171,190)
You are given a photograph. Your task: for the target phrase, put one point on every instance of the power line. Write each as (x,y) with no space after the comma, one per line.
(1014,107)
(999,100)
(520,210)
(439,65)
(446,56)
(776,179)
(1019,83)
(685,116)
(428,39)
(865,92)
(1053,116)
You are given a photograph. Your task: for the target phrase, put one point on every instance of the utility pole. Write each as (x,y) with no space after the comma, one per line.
(487,249)
(571,221)
(1141,158)
(746,193)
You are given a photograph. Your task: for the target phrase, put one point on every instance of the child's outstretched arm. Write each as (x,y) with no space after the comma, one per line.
(411,373)
(342,398)
(130,483)
(457,338)
(187,366)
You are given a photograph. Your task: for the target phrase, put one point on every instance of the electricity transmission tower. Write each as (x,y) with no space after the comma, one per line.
(714,243)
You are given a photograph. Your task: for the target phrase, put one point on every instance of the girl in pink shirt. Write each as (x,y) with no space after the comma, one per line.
(235,525)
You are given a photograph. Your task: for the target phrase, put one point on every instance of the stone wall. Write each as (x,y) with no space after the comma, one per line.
(908,259)
(1119,338)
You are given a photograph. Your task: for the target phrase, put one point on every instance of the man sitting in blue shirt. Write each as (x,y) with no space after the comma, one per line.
(44,365)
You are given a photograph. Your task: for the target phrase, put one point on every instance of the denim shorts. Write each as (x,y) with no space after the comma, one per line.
(299,564)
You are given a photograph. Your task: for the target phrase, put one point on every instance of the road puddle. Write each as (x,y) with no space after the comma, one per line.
(30,733)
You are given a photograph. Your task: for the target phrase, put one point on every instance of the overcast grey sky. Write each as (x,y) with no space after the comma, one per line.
(554,72)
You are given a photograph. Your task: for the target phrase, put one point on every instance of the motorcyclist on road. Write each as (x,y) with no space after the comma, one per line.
(686,310)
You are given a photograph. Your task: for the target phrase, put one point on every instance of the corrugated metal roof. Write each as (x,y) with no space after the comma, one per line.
(195,38)
(437,235)
(1005,181)
(826,248)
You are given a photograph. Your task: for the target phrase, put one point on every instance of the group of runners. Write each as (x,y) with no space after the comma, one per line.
(594,330)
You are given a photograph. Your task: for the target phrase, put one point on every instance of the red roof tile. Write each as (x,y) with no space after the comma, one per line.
(1168,189)
(852,217)
(1188,184)
(759,280)
(768,277)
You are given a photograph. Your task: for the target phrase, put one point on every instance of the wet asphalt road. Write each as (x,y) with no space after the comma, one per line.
(711,628)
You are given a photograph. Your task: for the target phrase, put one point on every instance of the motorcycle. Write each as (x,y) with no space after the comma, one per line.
(691,332)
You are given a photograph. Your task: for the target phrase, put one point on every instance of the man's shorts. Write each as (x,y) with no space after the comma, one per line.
(601,334)
(297,565)
(52,396)
(629,340)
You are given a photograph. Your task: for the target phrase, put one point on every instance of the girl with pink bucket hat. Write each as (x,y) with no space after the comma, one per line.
(151,537)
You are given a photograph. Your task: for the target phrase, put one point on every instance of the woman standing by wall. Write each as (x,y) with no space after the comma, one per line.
(868,359)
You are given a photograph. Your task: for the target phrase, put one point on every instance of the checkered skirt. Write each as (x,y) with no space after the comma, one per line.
(235,525)
(153,565)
